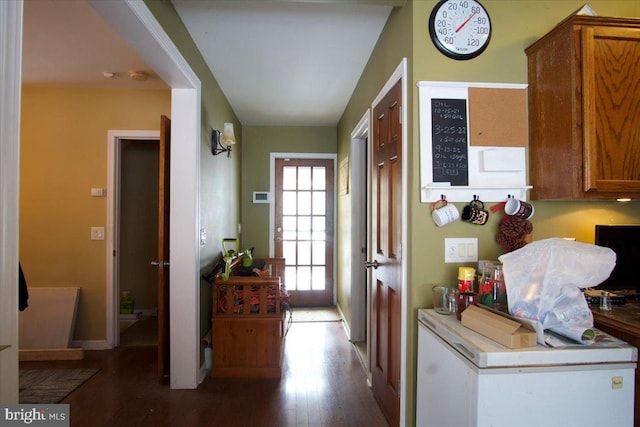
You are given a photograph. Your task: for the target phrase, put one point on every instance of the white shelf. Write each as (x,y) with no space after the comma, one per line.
(488,194)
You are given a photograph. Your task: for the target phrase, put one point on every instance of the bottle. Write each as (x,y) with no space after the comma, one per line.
(466,276)
(127,303)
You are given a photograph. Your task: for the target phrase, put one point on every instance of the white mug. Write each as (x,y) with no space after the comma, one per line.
(445,214)
(518,208)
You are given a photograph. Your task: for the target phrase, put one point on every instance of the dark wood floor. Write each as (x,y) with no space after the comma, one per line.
(323,384)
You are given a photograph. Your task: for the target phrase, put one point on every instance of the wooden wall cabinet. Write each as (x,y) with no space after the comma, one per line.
(584,110)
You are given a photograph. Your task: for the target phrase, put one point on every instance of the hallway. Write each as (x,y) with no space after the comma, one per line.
(323,384)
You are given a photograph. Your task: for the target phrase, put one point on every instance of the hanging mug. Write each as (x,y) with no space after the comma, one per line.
(475,213)
(518,208)
(444,212)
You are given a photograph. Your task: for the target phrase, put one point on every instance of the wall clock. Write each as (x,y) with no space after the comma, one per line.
(460,29)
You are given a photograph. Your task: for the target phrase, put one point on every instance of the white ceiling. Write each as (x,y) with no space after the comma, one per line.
(66,43)
(278,62)
(285,63)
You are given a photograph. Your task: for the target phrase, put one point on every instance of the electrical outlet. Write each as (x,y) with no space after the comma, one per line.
(457,250)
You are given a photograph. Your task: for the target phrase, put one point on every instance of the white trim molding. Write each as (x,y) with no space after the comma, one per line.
(11,13)
(133,20)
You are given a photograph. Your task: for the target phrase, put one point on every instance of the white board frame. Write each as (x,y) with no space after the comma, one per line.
(489,186)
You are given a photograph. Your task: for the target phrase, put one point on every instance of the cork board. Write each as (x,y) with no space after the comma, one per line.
(497,117)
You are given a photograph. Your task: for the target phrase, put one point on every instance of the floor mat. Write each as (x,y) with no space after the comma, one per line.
(51,385)
(315,314)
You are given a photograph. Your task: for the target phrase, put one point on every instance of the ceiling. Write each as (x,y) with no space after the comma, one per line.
(66,43)
(278,62)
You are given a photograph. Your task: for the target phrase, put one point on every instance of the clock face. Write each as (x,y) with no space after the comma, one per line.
(461,29)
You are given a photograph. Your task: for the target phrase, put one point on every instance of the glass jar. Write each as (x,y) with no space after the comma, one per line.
(493,292)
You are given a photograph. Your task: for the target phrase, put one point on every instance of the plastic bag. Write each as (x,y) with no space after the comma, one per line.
(544,281)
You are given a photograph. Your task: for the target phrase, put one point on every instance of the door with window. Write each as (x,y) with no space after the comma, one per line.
(304,228)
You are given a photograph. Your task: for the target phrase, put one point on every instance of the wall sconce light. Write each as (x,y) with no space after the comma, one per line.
(221,142)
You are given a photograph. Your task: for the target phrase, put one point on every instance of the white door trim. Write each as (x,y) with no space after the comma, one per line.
(114,160)
(133,20)
(400,73)
(359,152)
(10,88)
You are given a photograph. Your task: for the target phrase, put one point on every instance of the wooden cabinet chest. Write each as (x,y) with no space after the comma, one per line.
(584,110)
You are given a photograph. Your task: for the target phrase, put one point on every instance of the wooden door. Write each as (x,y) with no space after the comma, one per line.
(163,250)
(386,244)
(304,228)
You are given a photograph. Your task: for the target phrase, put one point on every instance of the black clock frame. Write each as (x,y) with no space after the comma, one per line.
(442,48)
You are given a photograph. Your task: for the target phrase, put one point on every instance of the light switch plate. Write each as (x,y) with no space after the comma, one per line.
(457,250)
(97,233)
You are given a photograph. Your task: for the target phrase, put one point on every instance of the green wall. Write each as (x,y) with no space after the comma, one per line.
(516,24)
(219,175)
(259,142)
(394,44)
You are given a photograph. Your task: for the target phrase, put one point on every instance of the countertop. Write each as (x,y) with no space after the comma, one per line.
(625,318)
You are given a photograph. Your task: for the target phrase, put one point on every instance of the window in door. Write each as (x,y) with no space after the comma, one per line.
(304,228)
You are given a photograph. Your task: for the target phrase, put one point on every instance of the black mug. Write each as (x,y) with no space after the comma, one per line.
(475,213)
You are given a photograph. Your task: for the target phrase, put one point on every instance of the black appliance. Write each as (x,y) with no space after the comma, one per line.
(624,240)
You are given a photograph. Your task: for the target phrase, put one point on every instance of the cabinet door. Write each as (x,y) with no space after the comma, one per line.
(611,109)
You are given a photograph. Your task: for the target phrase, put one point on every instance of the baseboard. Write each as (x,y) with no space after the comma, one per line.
(37,355)
(345,324)
(203,373)
(139,313)
(91,344)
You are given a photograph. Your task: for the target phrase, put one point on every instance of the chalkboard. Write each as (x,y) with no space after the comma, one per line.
(449,141)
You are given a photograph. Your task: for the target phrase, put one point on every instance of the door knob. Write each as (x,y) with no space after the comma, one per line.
(374,264)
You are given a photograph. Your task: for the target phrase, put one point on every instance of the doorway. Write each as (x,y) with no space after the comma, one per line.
(132,228)
(304,228)
(137,240)
(359,332)
(137,25)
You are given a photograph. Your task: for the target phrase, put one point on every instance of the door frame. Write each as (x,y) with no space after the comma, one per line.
(272,206)
(400,73)
(360,329)
(138,26)
(10,87)
(114,160)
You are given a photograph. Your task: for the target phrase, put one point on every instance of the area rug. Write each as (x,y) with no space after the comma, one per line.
(51,385)
(319,314)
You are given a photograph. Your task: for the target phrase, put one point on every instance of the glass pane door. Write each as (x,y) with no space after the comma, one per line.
(304,228)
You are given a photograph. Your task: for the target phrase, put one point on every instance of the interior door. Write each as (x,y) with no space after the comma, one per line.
(163,250)
(386,245)
(304,227)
